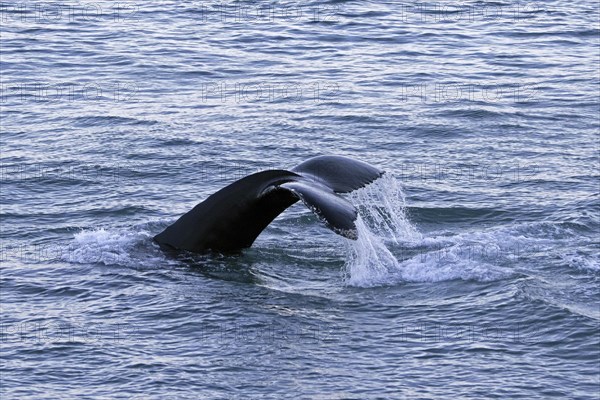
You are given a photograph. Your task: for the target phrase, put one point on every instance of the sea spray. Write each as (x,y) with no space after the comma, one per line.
(382,217)
(369,262)
(389,249)
(382,206)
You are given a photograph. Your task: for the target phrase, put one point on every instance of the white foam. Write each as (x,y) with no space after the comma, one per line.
(450,263)
(390,249)
(129,247)
(582,261)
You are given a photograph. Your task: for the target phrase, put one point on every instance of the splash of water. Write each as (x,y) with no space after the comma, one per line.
(382,206)
(382,217)
(390,249)
(369,261)
(129,247)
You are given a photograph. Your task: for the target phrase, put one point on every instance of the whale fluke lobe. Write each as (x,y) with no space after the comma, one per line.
(234,216)
(337,213)
(341,174)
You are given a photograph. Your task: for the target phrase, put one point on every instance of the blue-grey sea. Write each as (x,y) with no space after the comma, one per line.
(476,273)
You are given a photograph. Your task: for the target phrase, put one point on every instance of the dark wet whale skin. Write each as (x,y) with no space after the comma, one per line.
(233,217)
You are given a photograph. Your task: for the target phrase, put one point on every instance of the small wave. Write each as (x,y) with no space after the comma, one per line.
(109,120)
(454,214)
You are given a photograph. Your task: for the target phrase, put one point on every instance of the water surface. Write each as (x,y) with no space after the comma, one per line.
(477,271)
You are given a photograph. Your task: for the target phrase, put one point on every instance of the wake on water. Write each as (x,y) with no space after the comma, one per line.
(389,249)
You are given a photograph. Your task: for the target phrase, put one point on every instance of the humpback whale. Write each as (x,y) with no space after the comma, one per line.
(232,218)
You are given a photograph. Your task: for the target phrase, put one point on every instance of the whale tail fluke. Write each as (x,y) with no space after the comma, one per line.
(341,174)
(233,217)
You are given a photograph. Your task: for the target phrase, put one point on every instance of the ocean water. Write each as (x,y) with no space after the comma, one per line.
(476,272)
